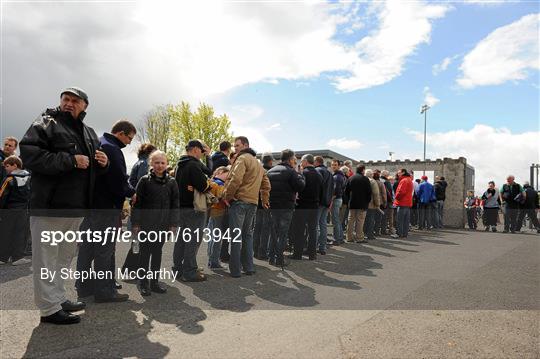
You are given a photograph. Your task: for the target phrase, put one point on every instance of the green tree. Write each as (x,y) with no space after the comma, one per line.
(155,127)
(202,124)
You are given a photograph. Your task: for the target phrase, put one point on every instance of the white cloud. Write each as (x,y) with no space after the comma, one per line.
(438,68)
(506,54)
(344,144)
(493,152)
(429,99)
(403,26)
(485,2)
(274,126)
(245,121)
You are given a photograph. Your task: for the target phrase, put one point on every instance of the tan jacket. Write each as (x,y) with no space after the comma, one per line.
(382,192)
(246,179)
(375,195)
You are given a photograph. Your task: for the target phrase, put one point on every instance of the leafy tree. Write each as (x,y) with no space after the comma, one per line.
(202,124)
(170,127)
(155,127)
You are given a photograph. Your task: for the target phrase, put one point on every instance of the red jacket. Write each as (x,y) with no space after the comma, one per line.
(404,192)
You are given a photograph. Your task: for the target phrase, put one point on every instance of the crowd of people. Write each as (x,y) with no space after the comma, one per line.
(69,179)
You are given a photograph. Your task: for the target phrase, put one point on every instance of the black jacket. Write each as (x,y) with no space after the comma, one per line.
(112,188)
(3,173)
(339,183)
(157,203)
(219,159)
(47,150)
(15,190)
(190,172)
(139,169)
(531,201)
(359,190)
(285,183)
(327,186)
(440,190)
(311,195)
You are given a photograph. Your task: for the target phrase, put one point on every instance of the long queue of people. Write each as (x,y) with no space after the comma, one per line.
(79,182)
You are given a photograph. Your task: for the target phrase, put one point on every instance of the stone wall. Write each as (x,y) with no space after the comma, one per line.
(456,172)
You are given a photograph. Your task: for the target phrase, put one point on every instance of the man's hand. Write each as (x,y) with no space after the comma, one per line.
(135,229)
(190,188)
(226,202)
(101,158)
(207,150)
(266,205)
(82,161)
(134,199)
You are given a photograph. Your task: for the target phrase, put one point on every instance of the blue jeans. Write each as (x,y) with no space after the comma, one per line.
(336,221)
(403,220)
(261,234)
(322,228)
(214,246)
(185,251)
(241,216)
(281,221)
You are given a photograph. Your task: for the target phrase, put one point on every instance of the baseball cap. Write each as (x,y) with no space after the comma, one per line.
(77,92)
(424,178)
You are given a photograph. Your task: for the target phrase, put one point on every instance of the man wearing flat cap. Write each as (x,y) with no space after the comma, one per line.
(63,154)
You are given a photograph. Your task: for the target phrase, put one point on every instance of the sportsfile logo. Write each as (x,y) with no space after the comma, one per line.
(111,234)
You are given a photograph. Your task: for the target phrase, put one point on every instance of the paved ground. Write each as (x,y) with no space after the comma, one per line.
(438,294)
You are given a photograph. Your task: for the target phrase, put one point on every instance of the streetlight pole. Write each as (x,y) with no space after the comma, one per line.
(424,110)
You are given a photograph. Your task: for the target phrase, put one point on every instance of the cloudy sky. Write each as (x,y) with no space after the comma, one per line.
(346,76)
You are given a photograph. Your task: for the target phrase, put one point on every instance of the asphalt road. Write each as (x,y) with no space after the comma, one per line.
(449,293)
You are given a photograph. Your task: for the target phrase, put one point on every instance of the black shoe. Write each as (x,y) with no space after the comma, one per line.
(487,229)
(117,285)
(281,263)
(272,261)
(143,287)
(312,257)
(321,252)
(156,287)
(116,297)
(69,306)
(296,257)
(225,259)
(61,317)
(249,272)
(505,231)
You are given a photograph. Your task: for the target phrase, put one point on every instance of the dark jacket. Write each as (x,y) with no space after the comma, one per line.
(260,204)
(3,172)
(358,188)
(389,192)
(339,183)
(157,203)
(311,196)
(139,169)
(327,186)
(285,183)
(440,190)
(531,201)
(219,159)
(509,193)
(190,172)
(15,190)
(48,150)
(112,188)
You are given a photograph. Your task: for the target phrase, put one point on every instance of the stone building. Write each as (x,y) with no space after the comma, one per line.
(458,174)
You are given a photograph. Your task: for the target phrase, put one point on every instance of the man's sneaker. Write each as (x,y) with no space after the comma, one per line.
(394,236)
(22,261)
(505,231)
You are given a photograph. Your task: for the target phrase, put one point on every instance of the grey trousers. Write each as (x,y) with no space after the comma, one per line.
(46,258)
